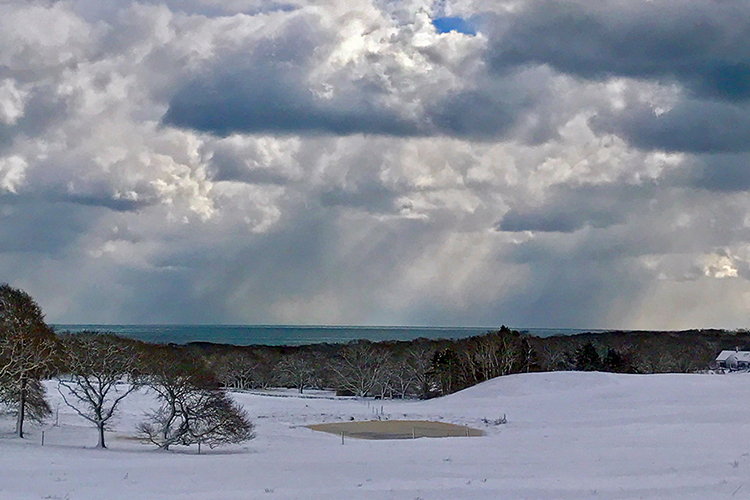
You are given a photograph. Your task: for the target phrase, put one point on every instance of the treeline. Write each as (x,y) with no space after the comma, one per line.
(420,368)
(637,351)
(425,368)
(96,371)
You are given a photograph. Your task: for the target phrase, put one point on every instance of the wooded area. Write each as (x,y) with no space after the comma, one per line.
(96,371)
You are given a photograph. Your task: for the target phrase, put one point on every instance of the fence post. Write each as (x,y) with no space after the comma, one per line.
(42,438)
(342,437)
(413,433)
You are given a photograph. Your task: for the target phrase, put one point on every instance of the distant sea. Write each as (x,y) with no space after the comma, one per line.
(295,335)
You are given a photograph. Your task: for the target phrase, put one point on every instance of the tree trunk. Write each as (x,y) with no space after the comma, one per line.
(21,408)
(101,444)
(168,423)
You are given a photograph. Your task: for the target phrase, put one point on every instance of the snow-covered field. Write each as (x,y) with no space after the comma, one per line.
(569,436)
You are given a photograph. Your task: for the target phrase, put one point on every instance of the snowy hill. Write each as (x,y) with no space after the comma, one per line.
(569,436)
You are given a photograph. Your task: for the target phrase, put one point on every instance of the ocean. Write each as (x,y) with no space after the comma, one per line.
(295,335)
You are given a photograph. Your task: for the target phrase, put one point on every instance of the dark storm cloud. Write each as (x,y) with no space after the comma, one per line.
(719,172)
(601,247)
(373,198)
(50,222)
(265,100)
(692,126)
(270,98)
(109,202)
(700,47)
(477,114)
(555,220)
(265,92)
(42,110)
(28,224)
(264,89)
(98,10)
(570,208)
(702,44)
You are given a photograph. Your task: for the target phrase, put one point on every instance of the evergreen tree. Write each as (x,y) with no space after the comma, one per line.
(587,358)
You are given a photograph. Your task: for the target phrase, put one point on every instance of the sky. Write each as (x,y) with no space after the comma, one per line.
(459,162)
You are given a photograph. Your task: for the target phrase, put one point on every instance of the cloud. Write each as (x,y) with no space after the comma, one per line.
(298,162)
(272,99)
(554,222)
(696,49)
(717,172)
(265,91)
(270,89)
(12,172)
(568,208)
(375,198)
(693,126)
(698,44)
(32,226)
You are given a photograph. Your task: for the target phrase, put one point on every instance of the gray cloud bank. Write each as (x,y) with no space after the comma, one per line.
(572,164)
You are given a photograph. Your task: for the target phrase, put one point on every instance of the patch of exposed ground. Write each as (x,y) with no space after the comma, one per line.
(397,429)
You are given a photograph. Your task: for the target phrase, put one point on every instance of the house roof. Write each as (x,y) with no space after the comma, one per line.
(738,355)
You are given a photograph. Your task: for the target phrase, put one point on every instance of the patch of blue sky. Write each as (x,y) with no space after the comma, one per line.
(448,24)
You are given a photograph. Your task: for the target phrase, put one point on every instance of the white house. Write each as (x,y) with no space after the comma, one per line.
(734,360)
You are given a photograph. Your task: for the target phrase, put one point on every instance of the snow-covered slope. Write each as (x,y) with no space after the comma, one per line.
(569,436)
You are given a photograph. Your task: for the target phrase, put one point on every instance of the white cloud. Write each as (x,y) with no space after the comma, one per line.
(12,102)
(12,172)
(718,266)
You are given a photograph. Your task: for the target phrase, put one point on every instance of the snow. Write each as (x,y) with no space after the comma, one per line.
(569,435)
(737,355)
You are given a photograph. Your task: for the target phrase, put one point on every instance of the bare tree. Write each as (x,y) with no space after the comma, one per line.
(193,407)
(510,354)
(359,368)
(400,381)
(554,356)
(234,370)
(498,353)
(420,365)
(96,368)
(26,352)
(296,370)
